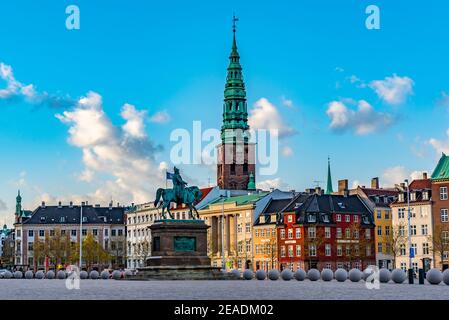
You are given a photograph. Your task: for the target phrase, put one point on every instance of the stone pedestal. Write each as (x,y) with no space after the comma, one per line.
(179,252)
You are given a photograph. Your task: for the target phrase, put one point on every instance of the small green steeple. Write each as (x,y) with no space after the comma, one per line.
(18,204)
(329,189)
(251,183)
(235,114)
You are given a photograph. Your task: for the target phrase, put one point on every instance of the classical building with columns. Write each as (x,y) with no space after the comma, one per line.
(231,222)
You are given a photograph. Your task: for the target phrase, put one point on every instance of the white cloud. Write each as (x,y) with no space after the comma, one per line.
(362,121)
(276,183)
(440,145)
(160,117)
(397,175)
(16,89)
(3,206)
(287,151)
(287,102)
(265,115)
(393,90)
(123,154)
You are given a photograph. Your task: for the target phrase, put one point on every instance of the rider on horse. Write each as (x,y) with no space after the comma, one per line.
(178,185)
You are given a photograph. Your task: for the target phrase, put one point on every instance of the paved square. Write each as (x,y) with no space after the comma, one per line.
(215,290)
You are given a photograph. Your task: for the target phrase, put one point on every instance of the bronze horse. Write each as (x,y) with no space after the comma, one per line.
(189,197)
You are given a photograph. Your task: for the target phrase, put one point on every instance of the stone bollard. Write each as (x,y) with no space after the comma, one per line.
(261,274)
(384,275)
(341,275)
(300,275)
(398,275)
(327,275)
(29,274)
(313,275)
(355,275)
(434,276)
(248,274)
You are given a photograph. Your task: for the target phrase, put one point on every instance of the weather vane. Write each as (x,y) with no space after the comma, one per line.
(234,20)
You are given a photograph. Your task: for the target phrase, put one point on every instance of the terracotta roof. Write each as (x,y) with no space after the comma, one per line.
(420,184)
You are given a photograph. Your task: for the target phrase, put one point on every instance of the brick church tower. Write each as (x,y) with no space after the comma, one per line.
(236,166)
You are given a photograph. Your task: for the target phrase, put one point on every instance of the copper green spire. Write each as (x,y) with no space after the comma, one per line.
(251,183)
(18,204)
(235,115)
(329,189)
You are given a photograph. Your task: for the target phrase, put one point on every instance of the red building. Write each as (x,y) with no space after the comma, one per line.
(326,231)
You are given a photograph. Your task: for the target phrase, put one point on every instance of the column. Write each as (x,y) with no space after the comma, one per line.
(219,231)
(228,234)
(214,235)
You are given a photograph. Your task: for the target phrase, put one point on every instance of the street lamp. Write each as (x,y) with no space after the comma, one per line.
(81,235)
(410,264)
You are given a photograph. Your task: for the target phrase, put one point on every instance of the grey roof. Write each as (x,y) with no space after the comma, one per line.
(322,207)
(71,215)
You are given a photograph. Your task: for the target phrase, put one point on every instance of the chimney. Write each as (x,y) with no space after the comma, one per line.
(318,190)
(375,183)
(342,186)
(87,203)
(43,204)
(110,205)
(83,203)
(424,175)
(59,205)
(71,204)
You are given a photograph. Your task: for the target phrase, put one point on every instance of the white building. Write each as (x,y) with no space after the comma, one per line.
(421,225)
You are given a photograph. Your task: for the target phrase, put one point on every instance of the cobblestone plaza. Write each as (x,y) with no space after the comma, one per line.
(13,289)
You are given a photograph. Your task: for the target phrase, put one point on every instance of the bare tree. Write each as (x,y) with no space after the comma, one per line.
(316,242)
(397,239)
(440,241)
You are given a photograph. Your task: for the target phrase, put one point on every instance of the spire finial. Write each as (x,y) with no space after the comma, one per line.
(329,189)
(234,20)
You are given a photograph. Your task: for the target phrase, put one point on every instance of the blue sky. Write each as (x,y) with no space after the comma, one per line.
(373,100)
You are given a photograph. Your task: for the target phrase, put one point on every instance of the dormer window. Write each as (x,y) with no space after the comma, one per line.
(401,197)
(425,195)
(413,196)
(262,219)
(311,218)
(325,218)
(42,219)
(62,219)
(84,219)
(341,205)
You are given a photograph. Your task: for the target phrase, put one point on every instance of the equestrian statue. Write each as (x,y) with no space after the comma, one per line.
(179,194)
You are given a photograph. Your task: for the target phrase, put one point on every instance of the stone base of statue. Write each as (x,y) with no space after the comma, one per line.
(179,252)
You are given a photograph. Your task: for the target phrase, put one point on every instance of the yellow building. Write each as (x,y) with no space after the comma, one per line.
(231,229)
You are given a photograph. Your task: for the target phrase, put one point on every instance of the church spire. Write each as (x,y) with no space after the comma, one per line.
(235,114)
(18,204)
(329,189)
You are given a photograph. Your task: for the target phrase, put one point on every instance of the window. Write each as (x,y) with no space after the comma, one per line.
(327,232)
(425,248)
(401,197)
(387,230)
(379,247)
(348,250)
(327,250)
(368,250)
(367,234)
(120,232)
(339,234)
(113,232)
(356,234)
(282,251)
(312,250)
(348,233)
(52,233)
(30,246)
(282,233)
(84,232)
(325,218)
(444,215)
(311,218)
(348,218)
(290,234)
(62,219)
(248,227)
(387,248)
(402,231)
(239,228)
(379,230)
(403,266)
(338,217)
(339,250)
(298,250)
(257,233)
(415,248)
(106,232)
(379,214)
(84,219)
(445,236)
(290,250)
(401,213)
(425,195)
(387,214)
(356,218)
(62,232)
(95,232)
(19,233)
(424,230)
(312,232)
(298,233)
(413,230)
(402,250)
(290,218)
(262,233)
(413,196)
(443,193)
(41,233)
(73,233)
